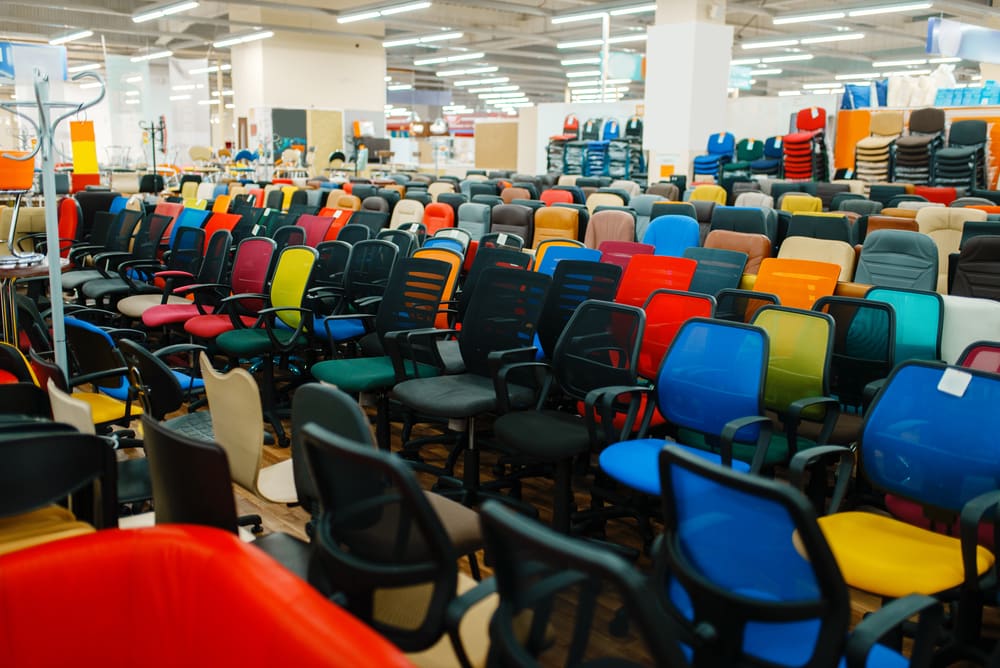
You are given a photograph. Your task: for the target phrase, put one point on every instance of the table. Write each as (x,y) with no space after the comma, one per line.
(9,275)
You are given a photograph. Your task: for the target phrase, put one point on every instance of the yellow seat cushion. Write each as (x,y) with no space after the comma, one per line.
(39,526)
(890,558)
(105,408)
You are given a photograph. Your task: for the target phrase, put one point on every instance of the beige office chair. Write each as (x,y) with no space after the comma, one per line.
(238,423)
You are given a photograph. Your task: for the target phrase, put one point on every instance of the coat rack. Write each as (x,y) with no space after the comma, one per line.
(45,131)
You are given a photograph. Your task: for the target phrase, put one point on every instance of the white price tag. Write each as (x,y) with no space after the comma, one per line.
(954,382)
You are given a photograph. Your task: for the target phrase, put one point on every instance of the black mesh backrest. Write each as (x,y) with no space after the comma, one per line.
(927,121)
(148,236)
(298,198)
(216,256)
(502,315)
(104,222)
(369,268)
(863,344)
(977,272)
(598,348)
(548,580)
(274,199)
(288,235)
(42,469)
(90,204)
(718,269)
(120,234)
(967,133)
(191,480)
(574,282)
(373,220)
(419,230)
(187,249)
(158,387)
(412,295)
(502,240)
(486,258)
(377,531)
(404,240)
(150,183)
(332,263)
(329,408)
(354,234)
(93,353)
(741,305)
(249,219)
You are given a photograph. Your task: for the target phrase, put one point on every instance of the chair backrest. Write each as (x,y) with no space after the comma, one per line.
(375,203)
(944,225)
(919,320)
(863,345)
(667,191)
(929,120)
(721,143)
(970,132)
(158,386)
(502,314)
(405,240)
(801,204)
(753,199)
(666,310)
(898,259)
(756,246)
(555,223)
(547,263)
(554,195)
(316,228)
(69,410)
(475,219)
(672,235)
(513,219)
(739,219)
(604,199)
(413,294)
(438,216)
(948,445)
(190,479)
(290,281)
(709,193)
(251,265)
(977,272)
(369,268)
(779,568)
(713,373)
(646,273)
(237,419)
(485,258)
(717,269)
(573,282)
(839,253)
(221,221)
(622,252)
(820,226)
(609,225)
(643,207)
(92,351)
(406,211)
(798,283)
(798,367)
(982,355)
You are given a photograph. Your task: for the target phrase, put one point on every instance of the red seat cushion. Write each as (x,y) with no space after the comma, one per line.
(210,326)
(170,314)
(7,377)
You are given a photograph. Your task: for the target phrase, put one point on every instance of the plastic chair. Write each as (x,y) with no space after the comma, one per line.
(798,283)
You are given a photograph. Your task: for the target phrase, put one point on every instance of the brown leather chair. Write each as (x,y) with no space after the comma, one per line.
(508,195)
(881,222)
(899,212)
(609,225)
(756,246)
(555,222)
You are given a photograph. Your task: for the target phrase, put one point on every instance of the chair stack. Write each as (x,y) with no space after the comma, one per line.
(573,157)
(805,151)
(596,158)
(770,164)
(963,163)
(747,151)
(913,154)
(719,152)
(873,154)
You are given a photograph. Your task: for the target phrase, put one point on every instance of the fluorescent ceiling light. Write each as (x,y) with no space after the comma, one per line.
(789,93)
(230,105)
(744,61)
(579,44)
(211,69)
(580,61)
(242,38)
(490,96)
(624,39)
(935,61)
(400,87)
(899,63)
(135,79)
(578,84)
(807,18)
(474,70)
(84,68)
(385,11)
(583,73)
(91,84)
(494,89)
(206,102)
(178,98)
(449,59)
(437,37)
(813,86)
(890,9)
(637,9)
(133,101)
(790,58)
(131,93)
(835,37)
(71,37)
(482,82)
(766,71)
(159,11)
(152,56)
(184,87)
(915,73)
(863,75)
(572,18)
(769,43)
(224,93)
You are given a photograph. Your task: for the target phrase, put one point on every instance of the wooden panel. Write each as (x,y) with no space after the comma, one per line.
(496,145)
(326,133)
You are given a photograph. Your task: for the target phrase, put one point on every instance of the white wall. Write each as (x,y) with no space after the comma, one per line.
(763,117)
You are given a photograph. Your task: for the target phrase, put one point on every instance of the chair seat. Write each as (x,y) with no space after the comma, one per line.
(72,280)
(243,342)
(365,374)
(135,306)
(914,141)
(339,329)
(171,313)
(891,558)
(955,153)
(276,483)
(39,526)
(879,143)
(461,523)
(197,425)
(211,326)
(546,435)
(105,287)
(736,166)
(635,463)
(457,396)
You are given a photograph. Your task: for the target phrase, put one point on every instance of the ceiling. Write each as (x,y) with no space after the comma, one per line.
(515,36)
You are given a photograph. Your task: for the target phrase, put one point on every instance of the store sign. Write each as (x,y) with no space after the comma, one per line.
(739,77)
(963,40)
(623,65)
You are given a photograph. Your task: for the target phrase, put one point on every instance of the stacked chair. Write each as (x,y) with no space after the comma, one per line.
(747,152)
(914,152)
(719,153)
(771,163)
(873,154)
(963,163)
(805,151)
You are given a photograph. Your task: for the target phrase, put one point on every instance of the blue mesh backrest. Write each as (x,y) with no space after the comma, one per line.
(445,242)
(189,218)
(558,253)
(117,204)
(918,322)
(926,444)
(672,234)
(713,373)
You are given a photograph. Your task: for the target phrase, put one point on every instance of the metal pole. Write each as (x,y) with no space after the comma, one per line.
(605,53)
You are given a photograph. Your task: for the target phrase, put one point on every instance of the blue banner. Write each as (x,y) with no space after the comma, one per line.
(963,40)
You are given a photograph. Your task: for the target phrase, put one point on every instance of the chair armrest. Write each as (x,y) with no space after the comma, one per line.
(501,358)
(174,273)
(369,303)
(871,391)
(811,456)
(399,346)
(503,394)
(973,513)
(733,427)
(119,333)
(83,379)
(892,616)
(266,317)
(457,609)
(179,348)
(231,303)
(603,399)
(367,319)
(793,417)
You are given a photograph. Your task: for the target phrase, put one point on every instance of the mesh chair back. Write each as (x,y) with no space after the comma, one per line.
(291,279)
(863,345)
(646,273)
(486,258)
(666,311)
(718,269)
(672,235)
(798,283)
(368,268)
(573,282)
(412,294)
(919,319)
(406,241)
(315,227)
(354,234)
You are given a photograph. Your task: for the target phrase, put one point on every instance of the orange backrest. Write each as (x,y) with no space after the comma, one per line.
(798,283)
(221,221)
(438,216)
